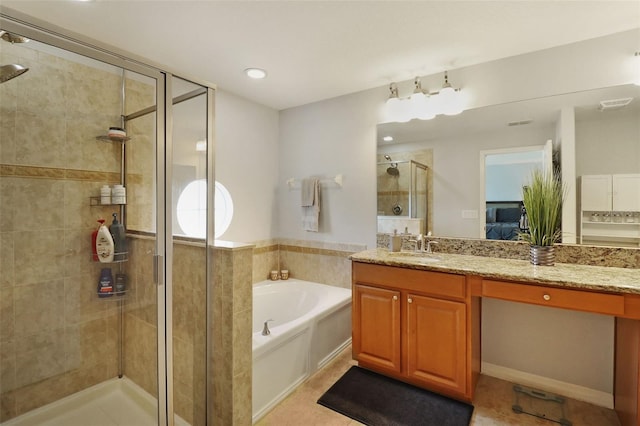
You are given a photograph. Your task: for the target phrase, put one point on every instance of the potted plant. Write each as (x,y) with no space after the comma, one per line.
(542,200)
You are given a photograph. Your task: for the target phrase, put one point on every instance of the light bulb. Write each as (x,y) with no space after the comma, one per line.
(428,110)
(450,101)
(417,104)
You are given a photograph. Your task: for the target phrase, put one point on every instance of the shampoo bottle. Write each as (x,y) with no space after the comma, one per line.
(119,239)
(104,243)
(105,285)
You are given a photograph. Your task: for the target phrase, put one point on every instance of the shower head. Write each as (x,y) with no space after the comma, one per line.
(7,72)
(393,169)
(12,38)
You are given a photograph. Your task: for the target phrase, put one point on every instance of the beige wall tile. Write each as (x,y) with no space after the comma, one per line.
(7,276)
(7,366)
(7,315)
(39,257)
(40,356)
(38,308)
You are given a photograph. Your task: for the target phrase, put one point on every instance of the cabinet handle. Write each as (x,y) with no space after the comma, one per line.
(546,297)
(395,297)
(410,300)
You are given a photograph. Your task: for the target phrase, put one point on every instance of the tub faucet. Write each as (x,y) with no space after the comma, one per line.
(265,329)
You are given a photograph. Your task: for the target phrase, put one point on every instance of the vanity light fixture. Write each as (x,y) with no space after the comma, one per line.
(388,138)
(255,73)
(450,102)
(397,109)
(422,104)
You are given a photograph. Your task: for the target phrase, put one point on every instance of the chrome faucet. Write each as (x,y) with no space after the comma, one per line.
(265,329)
(427,243)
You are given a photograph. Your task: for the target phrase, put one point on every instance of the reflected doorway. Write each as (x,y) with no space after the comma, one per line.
(503,173)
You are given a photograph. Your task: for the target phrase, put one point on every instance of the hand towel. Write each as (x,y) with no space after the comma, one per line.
(307,192)
(310,210)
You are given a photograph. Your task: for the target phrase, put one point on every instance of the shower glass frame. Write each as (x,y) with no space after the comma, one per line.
(43,32)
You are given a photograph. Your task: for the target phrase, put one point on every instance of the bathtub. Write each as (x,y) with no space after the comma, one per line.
(311,324)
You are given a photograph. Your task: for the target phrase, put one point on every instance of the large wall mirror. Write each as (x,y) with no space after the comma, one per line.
(604,124)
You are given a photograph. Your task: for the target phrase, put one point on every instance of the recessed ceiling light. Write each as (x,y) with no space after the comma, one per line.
(256,73)
(387,138)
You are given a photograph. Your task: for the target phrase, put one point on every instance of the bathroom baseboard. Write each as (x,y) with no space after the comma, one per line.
(581,393)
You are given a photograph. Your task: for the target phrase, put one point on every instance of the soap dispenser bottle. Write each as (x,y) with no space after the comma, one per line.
(396,241)
(104,243)
(119,239)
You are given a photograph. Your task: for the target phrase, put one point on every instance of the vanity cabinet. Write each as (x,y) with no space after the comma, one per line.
(413,325)
(610,209)
(603,193)
(376,317)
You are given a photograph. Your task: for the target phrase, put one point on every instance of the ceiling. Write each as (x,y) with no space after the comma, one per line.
(314,50)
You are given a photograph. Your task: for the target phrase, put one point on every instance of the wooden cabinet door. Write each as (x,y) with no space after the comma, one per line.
(376,326)
(595,192)
(436,341)
(626,193)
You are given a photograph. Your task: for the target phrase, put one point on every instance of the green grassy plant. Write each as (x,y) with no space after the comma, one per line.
(543,199)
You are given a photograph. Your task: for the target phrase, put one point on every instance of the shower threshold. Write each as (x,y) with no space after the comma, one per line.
(115,402)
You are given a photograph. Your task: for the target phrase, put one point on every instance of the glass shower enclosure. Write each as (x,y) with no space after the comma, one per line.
(63,341)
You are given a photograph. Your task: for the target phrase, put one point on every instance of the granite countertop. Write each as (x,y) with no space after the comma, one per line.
(600,278)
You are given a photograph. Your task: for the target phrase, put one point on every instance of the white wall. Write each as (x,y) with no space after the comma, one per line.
(338,136)
(610,144)
(504,182)
(332,137)
(247,164)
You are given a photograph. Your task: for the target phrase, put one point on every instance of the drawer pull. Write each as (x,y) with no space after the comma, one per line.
(546,297)
(395,297)
(410,300)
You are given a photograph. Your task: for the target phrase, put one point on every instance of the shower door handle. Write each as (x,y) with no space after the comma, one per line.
(157,261)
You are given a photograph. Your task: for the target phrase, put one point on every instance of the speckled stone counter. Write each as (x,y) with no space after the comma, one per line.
(598,278)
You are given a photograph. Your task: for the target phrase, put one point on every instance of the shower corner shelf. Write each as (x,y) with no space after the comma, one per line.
(107,295)
(95,202)
(105,138)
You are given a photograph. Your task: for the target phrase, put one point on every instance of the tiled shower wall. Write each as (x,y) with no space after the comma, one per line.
(56,336)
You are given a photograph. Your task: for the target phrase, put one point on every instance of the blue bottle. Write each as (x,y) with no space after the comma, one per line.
(105,285)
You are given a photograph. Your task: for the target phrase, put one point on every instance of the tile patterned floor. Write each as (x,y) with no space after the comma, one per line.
(492,404)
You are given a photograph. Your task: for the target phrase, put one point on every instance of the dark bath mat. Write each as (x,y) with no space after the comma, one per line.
(376,400)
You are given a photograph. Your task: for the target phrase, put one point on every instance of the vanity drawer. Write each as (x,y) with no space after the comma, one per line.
(425,282)
(579,300)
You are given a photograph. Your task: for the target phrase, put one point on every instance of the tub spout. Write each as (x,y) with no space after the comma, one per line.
(265,329)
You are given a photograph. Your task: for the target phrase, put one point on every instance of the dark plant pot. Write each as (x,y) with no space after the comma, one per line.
(542,255)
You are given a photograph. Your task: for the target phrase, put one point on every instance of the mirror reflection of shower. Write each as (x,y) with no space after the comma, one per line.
(7,72)
(393,168)
(402,196)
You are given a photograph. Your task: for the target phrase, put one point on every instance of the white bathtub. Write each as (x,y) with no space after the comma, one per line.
(311,325)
